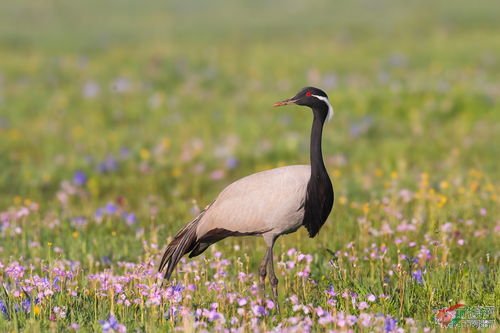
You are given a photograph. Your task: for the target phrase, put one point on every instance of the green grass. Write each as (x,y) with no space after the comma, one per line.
(184,86)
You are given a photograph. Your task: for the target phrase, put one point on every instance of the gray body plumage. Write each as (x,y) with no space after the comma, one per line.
(270,203)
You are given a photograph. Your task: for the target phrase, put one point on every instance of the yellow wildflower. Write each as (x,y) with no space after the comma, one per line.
(442,201)
(17,200)
(145,154)
(366,208)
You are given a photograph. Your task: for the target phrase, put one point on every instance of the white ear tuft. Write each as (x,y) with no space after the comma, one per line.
(330,108)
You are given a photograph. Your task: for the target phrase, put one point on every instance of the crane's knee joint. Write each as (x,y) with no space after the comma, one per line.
(262,271)
(274,281)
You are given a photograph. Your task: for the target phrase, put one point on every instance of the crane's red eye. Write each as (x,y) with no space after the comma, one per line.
(308,93)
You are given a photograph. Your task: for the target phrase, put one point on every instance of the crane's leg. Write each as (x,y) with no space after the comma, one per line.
(272,276)
(263,273)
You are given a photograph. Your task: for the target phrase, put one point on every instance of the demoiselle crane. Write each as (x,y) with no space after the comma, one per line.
(269,203)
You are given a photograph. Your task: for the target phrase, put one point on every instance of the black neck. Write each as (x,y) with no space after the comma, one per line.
(319,195)
(316,154)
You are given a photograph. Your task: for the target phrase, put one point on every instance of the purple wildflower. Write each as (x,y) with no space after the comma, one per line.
(390,324)
(258,310)
(351,320)
(362,305)
(177,289)
(111,208)
(106,260)
(74,326)
(79,178)
(78,221)
(3,309)
(331,291)
(417,276)
(171,313)
(364,319)
(15,271)
(99,213)
(213,315)
(129,218)
(60,312)
(124,153)
(26,305)
(56,283)
(112,325)
(232,162)
(108,165)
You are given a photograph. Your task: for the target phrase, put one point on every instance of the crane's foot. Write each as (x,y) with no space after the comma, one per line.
(274,285)
(277,306)
(262,279)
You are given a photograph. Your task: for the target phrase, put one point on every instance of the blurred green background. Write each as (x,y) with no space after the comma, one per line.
(414,84)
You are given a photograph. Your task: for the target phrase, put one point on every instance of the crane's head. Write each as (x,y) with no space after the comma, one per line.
(312,97)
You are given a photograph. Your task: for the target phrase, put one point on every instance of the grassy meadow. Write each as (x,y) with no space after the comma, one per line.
(120,120)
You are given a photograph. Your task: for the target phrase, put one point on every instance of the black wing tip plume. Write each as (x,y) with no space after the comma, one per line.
(184,242)
(312,232)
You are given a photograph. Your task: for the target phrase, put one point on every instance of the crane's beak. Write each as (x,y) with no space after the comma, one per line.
(285,102)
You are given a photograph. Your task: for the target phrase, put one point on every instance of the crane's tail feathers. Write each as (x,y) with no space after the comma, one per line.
(183,242)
